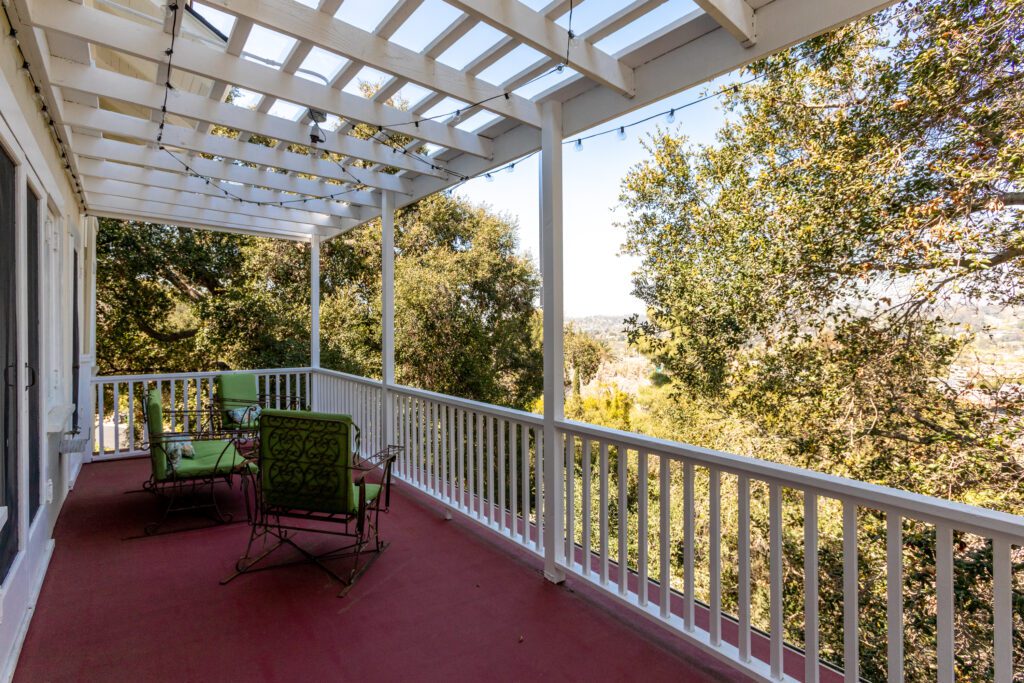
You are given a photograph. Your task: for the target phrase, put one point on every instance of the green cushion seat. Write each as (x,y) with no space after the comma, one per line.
(212,457)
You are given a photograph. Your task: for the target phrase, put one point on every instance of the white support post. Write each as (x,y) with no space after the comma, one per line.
(87,409)
(314,302)
(554,397)
(387,295)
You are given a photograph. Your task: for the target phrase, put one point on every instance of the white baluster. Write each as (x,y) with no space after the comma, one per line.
(688,536)
(811,669)
(944,602)
(643,533)
(775,578)
(513,474)
(894,594)
(585,505)
(602,511)
(743,570)
(1002,610)
(665,535)
(715,554)
(623,456)
(851,599)
(569,462)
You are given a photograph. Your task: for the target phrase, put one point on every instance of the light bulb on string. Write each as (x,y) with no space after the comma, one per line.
(488,177)
(622,132)
(579,145)
(671,116)
(511,167)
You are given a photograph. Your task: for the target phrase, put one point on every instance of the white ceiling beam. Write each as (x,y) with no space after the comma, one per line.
(735,16)
(135,91)
(112,123)
(307,24)
(542,34)
(140,155)
(702,51)
(130,210)
(619,19)
(236,41)
(701,55)
(304,219)
(398,15)
(184,183)
(171,212)
(105,29)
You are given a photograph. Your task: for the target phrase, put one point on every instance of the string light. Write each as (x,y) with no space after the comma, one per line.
(12,34)
(671,116)
(622,132)
(578,145)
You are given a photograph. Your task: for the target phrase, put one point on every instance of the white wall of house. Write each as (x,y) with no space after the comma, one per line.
(26,139)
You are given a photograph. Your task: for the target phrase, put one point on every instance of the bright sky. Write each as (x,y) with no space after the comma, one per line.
(597,278)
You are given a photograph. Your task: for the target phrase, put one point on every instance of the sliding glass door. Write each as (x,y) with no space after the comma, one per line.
(35,424)
(10,396)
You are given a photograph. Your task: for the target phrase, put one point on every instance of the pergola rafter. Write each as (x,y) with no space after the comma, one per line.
(303,23)
(102,28)
(140,155)
(542,34)
(93,168)
(111,123)
(128,190)
(102,110)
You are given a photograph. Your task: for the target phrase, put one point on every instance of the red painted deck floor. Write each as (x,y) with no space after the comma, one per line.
(446,601)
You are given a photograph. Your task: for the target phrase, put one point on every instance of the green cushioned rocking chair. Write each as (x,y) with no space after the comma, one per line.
(185,465)
(311,481)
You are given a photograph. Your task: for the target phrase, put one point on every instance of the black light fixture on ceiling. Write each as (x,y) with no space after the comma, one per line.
(316,135)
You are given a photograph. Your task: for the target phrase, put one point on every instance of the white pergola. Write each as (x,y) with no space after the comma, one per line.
(102,66)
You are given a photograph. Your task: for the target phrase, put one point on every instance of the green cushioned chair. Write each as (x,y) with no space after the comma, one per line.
(312,481)
(238,392)
(183,481)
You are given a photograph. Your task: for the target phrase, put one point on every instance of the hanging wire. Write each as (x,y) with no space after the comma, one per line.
(383,137)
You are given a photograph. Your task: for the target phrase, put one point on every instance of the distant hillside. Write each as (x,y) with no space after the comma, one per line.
(626,368)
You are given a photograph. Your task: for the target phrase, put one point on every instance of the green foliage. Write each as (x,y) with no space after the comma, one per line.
(800,276)
(583,357)
(177,300)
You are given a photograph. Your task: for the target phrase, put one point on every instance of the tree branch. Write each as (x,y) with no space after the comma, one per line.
(166,337)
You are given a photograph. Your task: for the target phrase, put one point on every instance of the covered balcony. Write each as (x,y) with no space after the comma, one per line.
(523,545)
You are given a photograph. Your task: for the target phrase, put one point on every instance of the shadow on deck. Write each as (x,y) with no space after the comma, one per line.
(445,601)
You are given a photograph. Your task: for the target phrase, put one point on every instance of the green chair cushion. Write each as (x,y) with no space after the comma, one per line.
(155,426)
(212,457)
(372,491)
(237,390)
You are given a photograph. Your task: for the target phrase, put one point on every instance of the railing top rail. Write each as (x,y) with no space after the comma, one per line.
(468,404)
(960,516)
(163,377)
(352,378)
(487,408)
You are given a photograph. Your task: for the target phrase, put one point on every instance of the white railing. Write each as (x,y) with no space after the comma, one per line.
(665,473)
(338,392)
(633,523)
(476,458)
(118,429)
(479,459)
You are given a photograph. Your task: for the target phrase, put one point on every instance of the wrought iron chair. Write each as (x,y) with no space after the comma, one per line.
(183,482)
(310,481)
